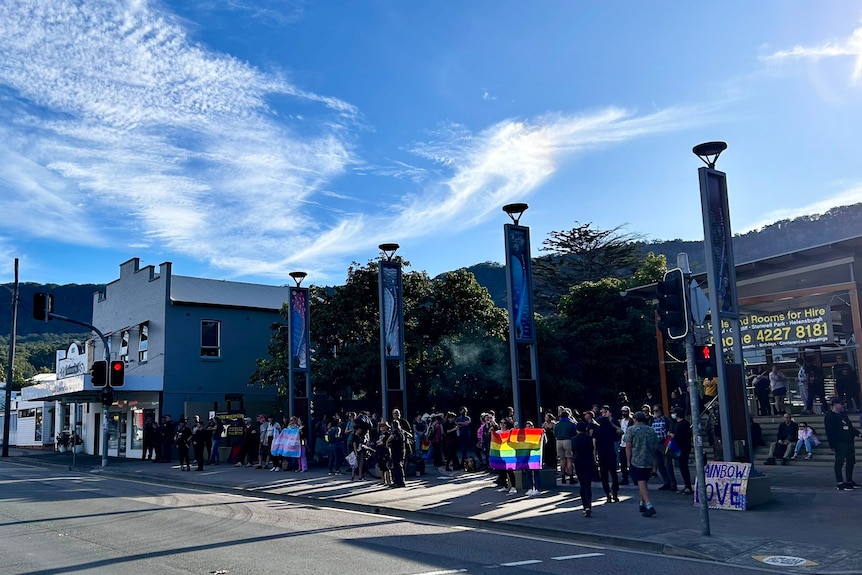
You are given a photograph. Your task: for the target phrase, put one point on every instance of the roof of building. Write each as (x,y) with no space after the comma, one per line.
(202,291)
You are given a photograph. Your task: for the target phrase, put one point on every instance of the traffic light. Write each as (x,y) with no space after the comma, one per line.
(99,373)
(704,361)
(107,396)
(673,304)
(43,305)
(118,373)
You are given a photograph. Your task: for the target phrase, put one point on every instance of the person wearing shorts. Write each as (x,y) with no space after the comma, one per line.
(641,445)
(564,431)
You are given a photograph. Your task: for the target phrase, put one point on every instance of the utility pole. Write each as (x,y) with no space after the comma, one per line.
(7,408)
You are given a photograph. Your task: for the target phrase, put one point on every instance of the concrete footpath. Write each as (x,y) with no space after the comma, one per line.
(807,519)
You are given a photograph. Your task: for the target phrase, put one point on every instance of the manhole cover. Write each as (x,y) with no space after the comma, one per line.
(784,561)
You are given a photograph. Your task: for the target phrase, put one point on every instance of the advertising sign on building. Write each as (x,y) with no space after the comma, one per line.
(797,327)
(72,362)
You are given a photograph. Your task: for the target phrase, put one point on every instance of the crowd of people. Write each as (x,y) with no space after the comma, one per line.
(612,447)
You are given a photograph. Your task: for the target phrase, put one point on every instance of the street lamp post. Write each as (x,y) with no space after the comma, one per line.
(519,283)
(723,300)
(391,324)
(298,337)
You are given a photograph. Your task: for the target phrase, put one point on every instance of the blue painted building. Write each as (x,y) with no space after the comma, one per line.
(189,347)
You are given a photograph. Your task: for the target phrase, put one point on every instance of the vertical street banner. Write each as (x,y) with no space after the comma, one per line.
(716,219)
(299,327)
(390,310)
(519,280)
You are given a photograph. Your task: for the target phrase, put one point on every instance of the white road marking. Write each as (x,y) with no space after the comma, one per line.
(519,563)
(582,556)
(443,572)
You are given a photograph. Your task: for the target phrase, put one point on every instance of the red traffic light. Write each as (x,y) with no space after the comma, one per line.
(118,373)
(706,352)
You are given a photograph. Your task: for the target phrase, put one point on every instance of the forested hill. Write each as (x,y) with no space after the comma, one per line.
(73,301)
(76,301)
(778,238)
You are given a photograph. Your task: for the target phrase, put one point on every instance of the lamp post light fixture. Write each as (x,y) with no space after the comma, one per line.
(298,337)
(298,277)
(389,250)
(515,211)
(391,325)
(522,332)
(709,152)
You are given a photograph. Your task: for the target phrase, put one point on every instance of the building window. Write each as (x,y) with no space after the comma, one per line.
(210,338)
(143,343)
(124,345)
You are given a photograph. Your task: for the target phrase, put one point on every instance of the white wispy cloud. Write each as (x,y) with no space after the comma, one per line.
(268,12)
(850,47)
(109,105)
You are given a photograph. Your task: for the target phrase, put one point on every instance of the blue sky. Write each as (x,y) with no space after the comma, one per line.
(245,139)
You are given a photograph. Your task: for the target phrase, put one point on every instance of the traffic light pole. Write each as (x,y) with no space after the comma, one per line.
(699,459)
(694,402)
(51,315)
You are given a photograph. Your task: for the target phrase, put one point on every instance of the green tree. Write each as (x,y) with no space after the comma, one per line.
(454,338)
(611,339)
(581,254)
(651,270)
(600,343)
(458,335)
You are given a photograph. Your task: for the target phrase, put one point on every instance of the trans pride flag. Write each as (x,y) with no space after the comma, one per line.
(516,449)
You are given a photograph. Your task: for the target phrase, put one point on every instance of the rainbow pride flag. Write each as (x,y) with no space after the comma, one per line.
(516,449)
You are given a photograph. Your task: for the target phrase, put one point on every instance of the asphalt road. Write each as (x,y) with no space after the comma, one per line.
(55,522)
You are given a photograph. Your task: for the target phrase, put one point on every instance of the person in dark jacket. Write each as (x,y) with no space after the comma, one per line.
(583,448)
(182,439)
(785,441)
(607,436)
(396,445)
(199,442)
(152,441)
(168,431)
(681,433)
(760,381)
(841,435)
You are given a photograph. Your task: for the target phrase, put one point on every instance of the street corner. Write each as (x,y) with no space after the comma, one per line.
(801,558)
